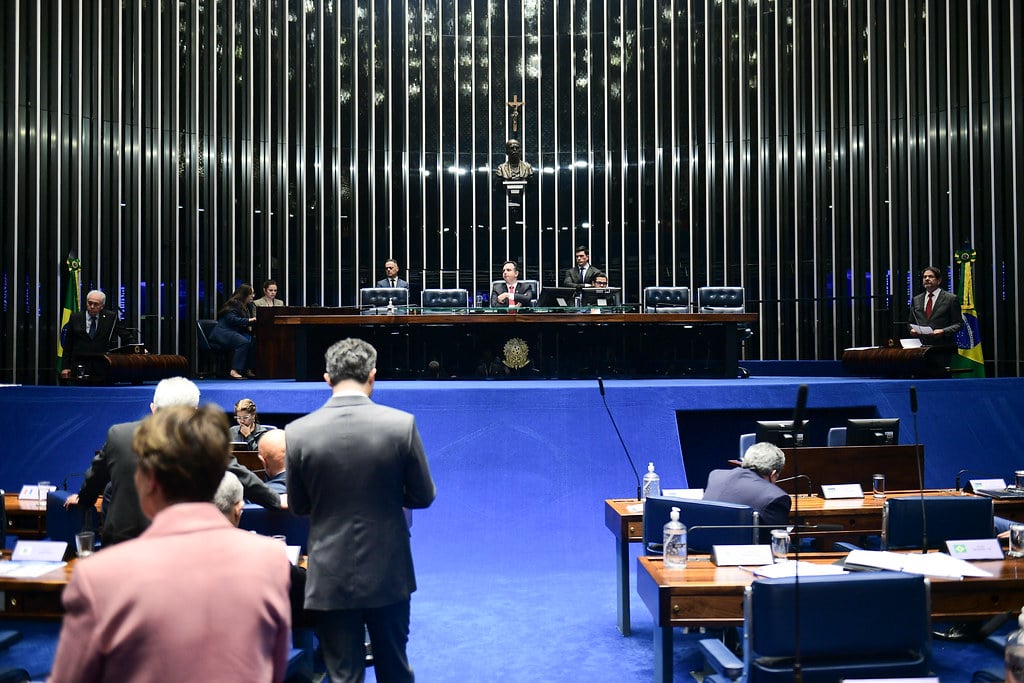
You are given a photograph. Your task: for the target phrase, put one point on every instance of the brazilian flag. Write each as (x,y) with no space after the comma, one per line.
(970,358)
(71,302)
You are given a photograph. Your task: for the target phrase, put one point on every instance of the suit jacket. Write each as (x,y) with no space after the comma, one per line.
(352,466)
(110,331)
(946,315)
(278,483)
(192,599)
(387,283)
(524,295)
(572,276)
(746,487)
(253,488)
(115,464)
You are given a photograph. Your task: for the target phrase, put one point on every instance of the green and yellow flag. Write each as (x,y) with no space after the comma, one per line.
(968,340)
(71,302)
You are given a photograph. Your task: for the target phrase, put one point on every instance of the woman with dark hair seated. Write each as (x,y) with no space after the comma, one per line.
(234,331)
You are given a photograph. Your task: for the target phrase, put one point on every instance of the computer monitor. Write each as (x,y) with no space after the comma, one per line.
(602,296)
(557,297)
(780,433)
(877,431)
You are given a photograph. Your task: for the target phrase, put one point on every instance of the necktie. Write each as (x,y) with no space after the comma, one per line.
(583,272)
(92,327)
(394,283)
(511,295)
(928,306)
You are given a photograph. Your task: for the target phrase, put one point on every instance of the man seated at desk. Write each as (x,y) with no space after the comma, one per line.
(511,293)
(92,331)
(272,455)
(753,484)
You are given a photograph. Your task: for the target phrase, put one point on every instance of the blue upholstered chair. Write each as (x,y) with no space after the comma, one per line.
(445,298)
(834,642)
(374,300)
(62,525)
(948,518)
(746,441)
(695,513)
(667,300)
(267,522)
(836,436)
(210,354)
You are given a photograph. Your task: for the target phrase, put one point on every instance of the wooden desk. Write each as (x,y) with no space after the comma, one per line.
(894,361)
(858,518)
(25,518)
(853,465)
(36,598)
(706,595)
(473,343)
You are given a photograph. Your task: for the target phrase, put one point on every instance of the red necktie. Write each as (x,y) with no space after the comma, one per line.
(511,295)
(928,306)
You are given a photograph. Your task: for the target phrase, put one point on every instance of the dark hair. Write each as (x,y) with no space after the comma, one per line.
(584,248)
(237,299)
(185,449)
(267,283)
(514,265)
(350,359)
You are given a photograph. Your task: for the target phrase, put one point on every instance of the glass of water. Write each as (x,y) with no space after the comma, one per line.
(780,544)
(1016,540)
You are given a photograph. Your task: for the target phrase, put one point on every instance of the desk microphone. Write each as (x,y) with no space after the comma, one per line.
(810,486)
(798,418)
(64,484)
(968,471)
(920,472)
(600,385)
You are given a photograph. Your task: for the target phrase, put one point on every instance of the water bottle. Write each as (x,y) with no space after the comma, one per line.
(674,542)
(391,306)
(579,299)
(1014,653)
(652,483)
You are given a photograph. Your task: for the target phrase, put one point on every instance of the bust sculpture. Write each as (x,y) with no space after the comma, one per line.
(514,168)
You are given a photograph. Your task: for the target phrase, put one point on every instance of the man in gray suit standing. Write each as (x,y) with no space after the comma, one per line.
(352,466)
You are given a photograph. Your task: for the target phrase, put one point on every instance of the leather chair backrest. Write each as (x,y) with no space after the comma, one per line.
(948,518)
(371,297)
(666,299)
(203,329)
(269,522)
(698,513)
(445,298)
(721,299)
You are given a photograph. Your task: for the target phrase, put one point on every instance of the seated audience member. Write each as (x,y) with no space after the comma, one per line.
(601,280)
(391,278)
(753,484)
(272,453)
(229,499)
(142,611)
(234,331)
(248,430)
(511,293)
(114,465)
(269,297)
(92,331)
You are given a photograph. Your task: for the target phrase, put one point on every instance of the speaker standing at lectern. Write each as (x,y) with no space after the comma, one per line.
(936,308)
(93,331)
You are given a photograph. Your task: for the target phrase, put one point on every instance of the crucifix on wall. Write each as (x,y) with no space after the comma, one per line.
(514,104)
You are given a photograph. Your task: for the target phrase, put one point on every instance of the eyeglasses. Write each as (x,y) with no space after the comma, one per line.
(243,418)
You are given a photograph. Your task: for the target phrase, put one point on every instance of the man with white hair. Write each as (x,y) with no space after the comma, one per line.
(92,331)
(753,484)
(229,499)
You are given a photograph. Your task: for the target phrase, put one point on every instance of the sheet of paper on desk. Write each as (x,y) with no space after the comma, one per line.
(939,565)
(28,570)
(792,568)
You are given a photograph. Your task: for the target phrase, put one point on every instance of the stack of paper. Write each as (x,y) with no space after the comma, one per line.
(939,565)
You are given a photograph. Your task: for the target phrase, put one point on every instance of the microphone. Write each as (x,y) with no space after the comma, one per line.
(798,417)
(64,484)
(810,486)
(600,385)
(920,472)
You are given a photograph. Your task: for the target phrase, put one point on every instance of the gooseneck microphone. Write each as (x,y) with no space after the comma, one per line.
(798,418)
(600,385)
(920,472)
(810,485)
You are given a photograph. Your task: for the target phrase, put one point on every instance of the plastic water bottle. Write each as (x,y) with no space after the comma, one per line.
(674,542)
(391,306)
(652,483)
(1014,653)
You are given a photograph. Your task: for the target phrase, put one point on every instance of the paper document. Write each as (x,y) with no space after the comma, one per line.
(922,329)
(939,565)
(911,343)
(792,568)
(28,570)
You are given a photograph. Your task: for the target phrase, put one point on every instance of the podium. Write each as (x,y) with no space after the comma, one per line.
(894,361)
(130,364)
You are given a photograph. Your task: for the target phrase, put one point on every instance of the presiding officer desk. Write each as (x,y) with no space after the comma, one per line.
(537,343)
(703,594)
(856,517)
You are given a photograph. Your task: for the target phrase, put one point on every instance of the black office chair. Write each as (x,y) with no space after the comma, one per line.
(375,300)
(698,513)
(666,299)
(533,283)
(444,299)
(726,300)
(210,353)
(834,641)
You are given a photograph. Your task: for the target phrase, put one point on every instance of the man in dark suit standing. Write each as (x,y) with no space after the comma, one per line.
(92,331)
(511,292)
(938,309)
(391,278)
(584,273)
(753,484)
(352,467)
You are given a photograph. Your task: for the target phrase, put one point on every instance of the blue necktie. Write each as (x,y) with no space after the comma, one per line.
(92,327)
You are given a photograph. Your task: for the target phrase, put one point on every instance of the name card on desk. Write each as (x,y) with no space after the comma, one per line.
(831,491)
(993,484)
(736,555)
(31,491)
(975,549)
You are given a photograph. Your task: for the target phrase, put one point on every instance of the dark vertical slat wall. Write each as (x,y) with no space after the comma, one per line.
(818,153)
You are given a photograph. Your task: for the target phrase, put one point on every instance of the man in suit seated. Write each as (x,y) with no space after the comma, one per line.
(753,484)
(229,499)
(142,610)
(272,454)
(92,331)
(511,292)
(391,278)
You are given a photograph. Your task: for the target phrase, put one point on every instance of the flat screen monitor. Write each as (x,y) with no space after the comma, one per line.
(602,296)
(878,431)
(557,297)
(780,433)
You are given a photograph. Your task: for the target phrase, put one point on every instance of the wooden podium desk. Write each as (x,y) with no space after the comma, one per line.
(25,518)
(35,598)
(705,595)
(857,517)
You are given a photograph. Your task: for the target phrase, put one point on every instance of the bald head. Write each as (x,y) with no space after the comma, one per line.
(272,450)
